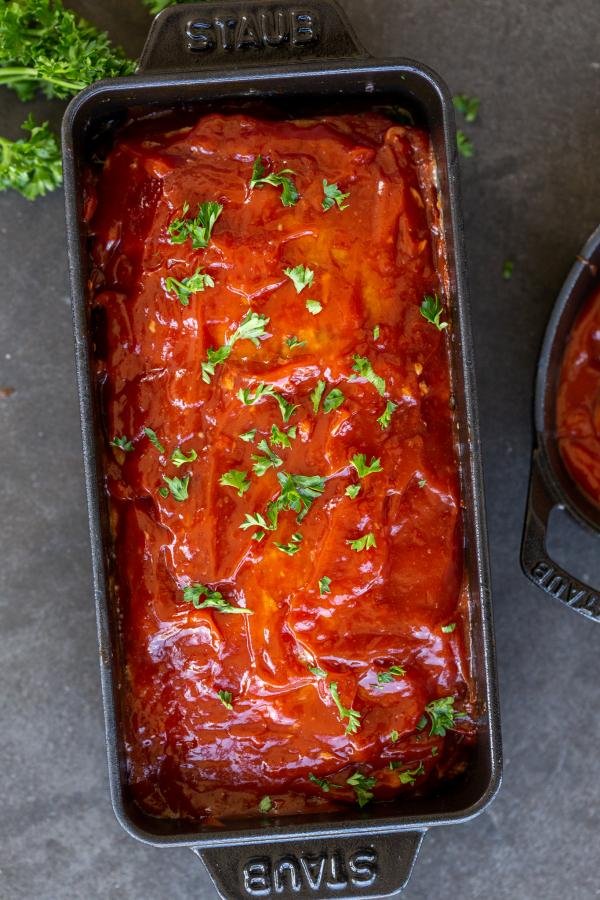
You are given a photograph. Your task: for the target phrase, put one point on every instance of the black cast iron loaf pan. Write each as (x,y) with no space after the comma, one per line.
(298,58)
(551,485)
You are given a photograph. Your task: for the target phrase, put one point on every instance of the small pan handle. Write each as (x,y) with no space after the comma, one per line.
(536,563)
(247,32)
(343,867)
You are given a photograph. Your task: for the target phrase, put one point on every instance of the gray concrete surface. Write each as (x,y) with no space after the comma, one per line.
(531,193)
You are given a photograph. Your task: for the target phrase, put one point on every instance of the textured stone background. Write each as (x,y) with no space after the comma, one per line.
(531,193)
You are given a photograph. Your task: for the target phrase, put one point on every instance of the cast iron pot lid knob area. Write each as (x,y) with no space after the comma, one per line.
(360,855)
(551,486)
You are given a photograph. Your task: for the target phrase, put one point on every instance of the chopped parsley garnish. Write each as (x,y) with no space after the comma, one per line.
(316,395)
(376,333)
(188,286)
(292,341)
(324,585)
(251,328)
(289,191)
(123,443)
(301,276)
(359,461)
(265,805)
(285,407)
(388,676)
(225,697)
(363,368)
(362,785)
(314,307)
(320,782)
(408,776)
(351,714)
(434,751)
(202,597)
(363,543)
(422,482)
(332,196)
(352,491)
(441,714)
(292,547)
(270,460)
(432,309)
(266,390)
(248,436)
(298,493)
(508,269)
(394,735)
(31,165)
(236,479)
(464,144)
(386,416)
(467,106)
(256,520)
(197,228)
(448,629)
(317,672)
(177,486)
(178,457)
(333,400)
(151,435)
(279,438)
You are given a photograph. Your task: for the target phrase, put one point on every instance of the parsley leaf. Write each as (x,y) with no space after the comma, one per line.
(314,307)
(320,782)
(213,359)
(333,400)
(293,545)
(236,479)
(376,333)
(294,342)
(43,45)
(202,597)
(178,487)
(466,106)
(385,418)
(281,438)
(188,286)
(298,493)
(394,735)
(265,805)
(508,269)
(301,276)
(363,543)
(442,715)
(353,491)
(151,435)
(197,228)
(225,697)
(324,585)
(332,196)
(431,309)
(351,714)
(388,676)
(464,144)
(248,436)
(422,482)
(289,191)
(285,408)
(178,457)
(408,776)
(448,629)
(316,395)
(122,443)
(317,672)
(251,328)
(363,368)
(270,460)
(32,165)
(362,787)
(256,520)
(266,390)
(359,461)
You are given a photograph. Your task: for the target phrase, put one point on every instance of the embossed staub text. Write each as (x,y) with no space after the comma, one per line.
(324,873)
(558,584)
(271,27)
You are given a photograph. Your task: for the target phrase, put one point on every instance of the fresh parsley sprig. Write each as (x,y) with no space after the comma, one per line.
(352,715)
(31,165)
(265,460)
(431,309)
(251,328)
(202,597)
(388,676)
(289,191)
(235,479)
(301,276)
(362,785)
(177,487)
(122,443)
(363,368)
(359,461)
(187,286)
(366,542)
(196,228)
(292,547)
(385,419)
(442,716)
(332,196)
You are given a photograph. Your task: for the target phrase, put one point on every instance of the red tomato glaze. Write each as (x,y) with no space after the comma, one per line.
(191,755)
(578,401)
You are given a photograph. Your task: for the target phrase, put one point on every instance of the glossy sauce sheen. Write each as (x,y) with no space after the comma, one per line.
(188,755)
(578,401)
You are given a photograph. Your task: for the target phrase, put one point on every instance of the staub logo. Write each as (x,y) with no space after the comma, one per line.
(327,873)
(266,28)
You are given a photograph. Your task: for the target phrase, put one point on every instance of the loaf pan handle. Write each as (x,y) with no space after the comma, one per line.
(342,867)
(536,563)
(241,32)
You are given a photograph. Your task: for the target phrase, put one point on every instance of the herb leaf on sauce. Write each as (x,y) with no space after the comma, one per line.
(298,492)
(265,805)
(151,435)
(320,782)
(236,479)
(448,629)
(188,286)
(213,359)
(333,400)
(388,676)
(362,785)
(251,328)
(431,309)
(324,585)
(266,390)
(385,418)
(289,191)
(351,714)
(270,460)
(407,776)
(366,542)
(316,395)
(301,276)
(376,331)
(248,436)
(441,714)
(314,307)
(178,457)
(359,461)
(352,491)
(292,341)
(363,369)
(317,672)
(332,196)
(225,697)
(292,547)
(202,597)
(178,487)
(197,228)
(283,439)
(122,443)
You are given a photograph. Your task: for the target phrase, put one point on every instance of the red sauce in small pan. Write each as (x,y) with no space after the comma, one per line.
(341,653)
(578,401)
